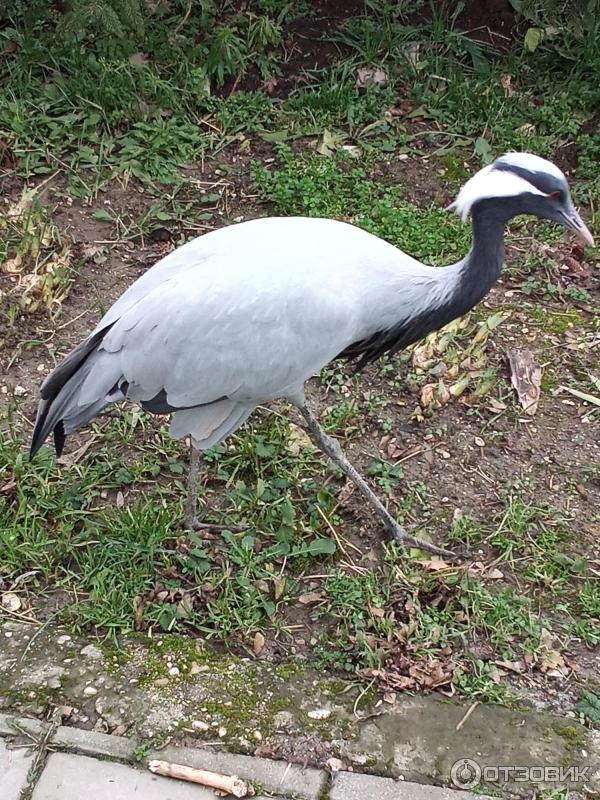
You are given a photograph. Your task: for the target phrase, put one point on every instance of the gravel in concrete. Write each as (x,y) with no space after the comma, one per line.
(70,777)
(350,786)
(14,765)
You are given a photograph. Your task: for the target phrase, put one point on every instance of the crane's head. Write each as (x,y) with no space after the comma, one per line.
(523,183)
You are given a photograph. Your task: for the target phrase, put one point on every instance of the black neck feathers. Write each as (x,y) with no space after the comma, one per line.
(471,279)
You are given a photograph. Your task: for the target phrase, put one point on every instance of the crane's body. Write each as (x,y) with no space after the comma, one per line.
(261,306)
(248,313)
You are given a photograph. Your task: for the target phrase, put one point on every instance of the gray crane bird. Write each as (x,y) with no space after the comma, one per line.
(247,313)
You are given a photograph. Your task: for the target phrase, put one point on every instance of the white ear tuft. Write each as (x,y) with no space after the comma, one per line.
(469,194)
(488,183)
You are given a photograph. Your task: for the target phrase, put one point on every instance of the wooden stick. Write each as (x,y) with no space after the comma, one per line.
(467,715)
(230,784)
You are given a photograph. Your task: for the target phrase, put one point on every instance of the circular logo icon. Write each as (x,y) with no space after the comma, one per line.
(465,773)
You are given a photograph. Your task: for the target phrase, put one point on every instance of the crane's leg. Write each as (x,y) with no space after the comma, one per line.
(190,519)
(331,448)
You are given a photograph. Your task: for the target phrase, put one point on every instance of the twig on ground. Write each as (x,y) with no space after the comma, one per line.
(335,534)
(470,710)
(230,784)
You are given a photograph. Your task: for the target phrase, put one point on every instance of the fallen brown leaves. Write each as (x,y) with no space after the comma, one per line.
(402,672)
(526,378)
(39,269)
(456,356)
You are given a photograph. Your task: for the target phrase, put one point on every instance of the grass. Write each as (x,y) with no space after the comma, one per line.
(216,88)
(143,104)
(124,563)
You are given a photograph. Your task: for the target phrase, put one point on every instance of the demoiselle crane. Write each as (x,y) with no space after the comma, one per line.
(247,313)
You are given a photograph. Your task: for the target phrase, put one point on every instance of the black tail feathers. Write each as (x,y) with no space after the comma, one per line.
(52,403)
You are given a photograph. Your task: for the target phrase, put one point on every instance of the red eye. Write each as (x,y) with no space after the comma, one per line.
(554,195)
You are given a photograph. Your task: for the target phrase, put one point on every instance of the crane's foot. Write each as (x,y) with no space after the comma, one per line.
(405,539)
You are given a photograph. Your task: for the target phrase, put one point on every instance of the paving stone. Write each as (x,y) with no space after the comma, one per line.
(94,743)
(277,777)
(14,765)
(65,738)
(351,786)
(33,726)
(71,777)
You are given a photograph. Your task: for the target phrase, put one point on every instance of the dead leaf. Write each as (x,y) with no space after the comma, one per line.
(64,712)
(309,598)
(497,675)
(259,643)
(552,663)
(138,59)
(577,268)
(11,601)
(329,143)
(427,395)
(391,447)
(270,85)
(298,440)
(496,406)
(139,606)
(435,564)
(13,265)
(506,82)
(494,574)
(526,377)
(512,666)
(278,588)
(572,665)
(401,110)
(121,730)
(367,77)
(400,682)
(430,675)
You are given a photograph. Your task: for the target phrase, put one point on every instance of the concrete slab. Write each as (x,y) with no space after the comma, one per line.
(350,786)
(276,777)
(14,766)
(71,777)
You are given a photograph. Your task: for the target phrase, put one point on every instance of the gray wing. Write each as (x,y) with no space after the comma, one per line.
(197,341)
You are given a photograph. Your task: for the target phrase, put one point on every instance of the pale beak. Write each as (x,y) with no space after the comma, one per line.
(574,222)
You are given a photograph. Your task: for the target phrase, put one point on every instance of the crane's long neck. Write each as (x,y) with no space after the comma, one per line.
(479,271)
(451,291)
